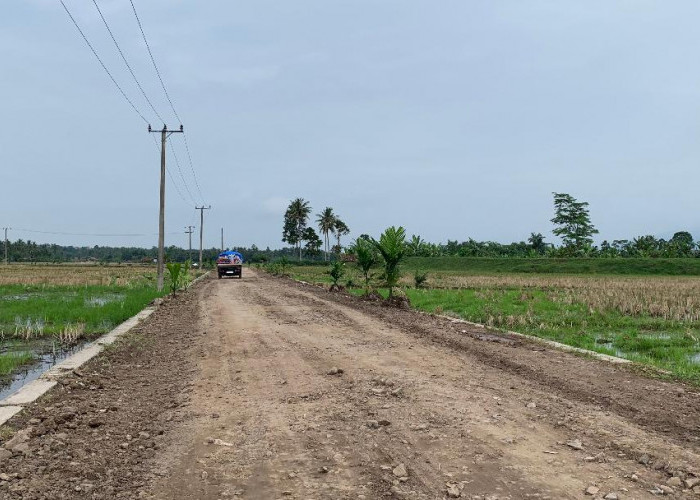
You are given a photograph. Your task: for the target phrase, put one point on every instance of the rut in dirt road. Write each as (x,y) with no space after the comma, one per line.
(262,388)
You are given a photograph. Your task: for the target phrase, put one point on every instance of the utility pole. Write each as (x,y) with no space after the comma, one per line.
(6,244)
(222,240)
(201,229)
(190,230)
(161,217)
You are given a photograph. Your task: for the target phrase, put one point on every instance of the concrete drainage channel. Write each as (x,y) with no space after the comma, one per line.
(29,393)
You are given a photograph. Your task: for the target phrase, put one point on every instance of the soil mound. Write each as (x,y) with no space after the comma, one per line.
(373,296)
(398,301)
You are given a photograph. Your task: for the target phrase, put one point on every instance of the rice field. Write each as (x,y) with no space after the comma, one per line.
(59,305)
(77,274)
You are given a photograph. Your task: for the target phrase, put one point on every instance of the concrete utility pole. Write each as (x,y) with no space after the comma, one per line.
(190,230)
(161,217)
(6,244)
(222,240)
(201,229)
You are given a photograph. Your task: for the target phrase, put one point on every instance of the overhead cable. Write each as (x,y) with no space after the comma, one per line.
(22,230)
(126,62)
(172,179)
(189,157)
(121,91)
(155,66)
(177,162)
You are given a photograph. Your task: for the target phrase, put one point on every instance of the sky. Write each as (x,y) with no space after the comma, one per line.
(454,119)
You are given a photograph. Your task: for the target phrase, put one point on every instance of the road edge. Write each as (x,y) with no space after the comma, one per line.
(539,340)
(29,393)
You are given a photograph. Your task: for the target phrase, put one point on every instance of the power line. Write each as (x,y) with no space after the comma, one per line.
(172,179)
(167,95)
(189,156)
(155,66)
(121,91)
(177,162)
(128,66)
(22,230)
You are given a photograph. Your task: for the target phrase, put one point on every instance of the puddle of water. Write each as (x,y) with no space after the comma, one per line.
(655,336)
(25,296)
(103,299)
(608,344)
(47,356)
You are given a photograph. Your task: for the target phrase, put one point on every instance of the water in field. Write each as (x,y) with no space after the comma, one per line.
(608,344)
(655,336)
(47,355)
(695,358)
(101,300)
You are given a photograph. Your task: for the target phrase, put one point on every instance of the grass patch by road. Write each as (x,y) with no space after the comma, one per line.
(68,312)
(9,362)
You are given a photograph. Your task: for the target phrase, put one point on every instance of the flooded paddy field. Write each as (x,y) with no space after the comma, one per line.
(47,312)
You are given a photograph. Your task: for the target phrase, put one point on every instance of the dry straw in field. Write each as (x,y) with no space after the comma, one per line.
(74,274)
(670,298)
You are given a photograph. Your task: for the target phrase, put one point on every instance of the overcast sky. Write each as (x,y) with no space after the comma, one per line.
(455,119)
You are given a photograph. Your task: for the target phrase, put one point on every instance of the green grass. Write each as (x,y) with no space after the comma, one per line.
(28,311)
(631,266)
(9,362)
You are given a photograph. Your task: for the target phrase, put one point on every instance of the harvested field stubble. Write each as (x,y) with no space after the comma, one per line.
(76,274)
(670,298)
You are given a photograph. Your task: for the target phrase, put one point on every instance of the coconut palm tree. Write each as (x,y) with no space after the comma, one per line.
(326,224)
(295,219)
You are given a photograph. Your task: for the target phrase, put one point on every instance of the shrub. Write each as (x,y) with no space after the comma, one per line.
(337,271)
(420,278)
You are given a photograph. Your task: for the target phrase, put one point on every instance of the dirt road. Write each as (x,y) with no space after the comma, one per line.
(261,388)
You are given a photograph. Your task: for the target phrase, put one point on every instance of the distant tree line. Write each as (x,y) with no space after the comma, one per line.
(681,245)
(31,251)
(571,222)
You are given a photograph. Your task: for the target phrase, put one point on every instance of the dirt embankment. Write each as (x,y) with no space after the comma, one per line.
(260,388)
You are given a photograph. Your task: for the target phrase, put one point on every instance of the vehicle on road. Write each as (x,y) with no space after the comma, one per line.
(229,263)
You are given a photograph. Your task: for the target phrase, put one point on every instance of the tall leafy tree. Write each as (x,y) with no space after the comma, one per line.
(326,225)
(573,223)
(681,244)
(340,229)
(295,220)
(392,247)
(313,242)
